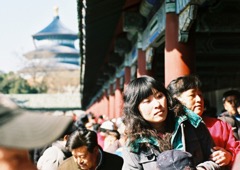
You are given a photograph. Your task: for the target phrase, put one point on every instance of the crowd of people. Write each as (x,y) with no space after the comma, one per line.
(160,128)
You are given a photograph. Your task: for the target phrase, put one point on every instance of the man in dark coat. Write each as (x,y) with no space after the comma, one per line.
(88,155)
(231,115)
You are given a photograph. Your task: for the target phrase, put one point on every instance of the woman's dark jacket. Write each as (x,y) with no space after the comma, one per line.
(190,135)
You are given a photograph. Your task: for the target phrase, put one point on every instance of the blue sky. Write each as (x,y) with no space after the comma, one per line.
(19,20)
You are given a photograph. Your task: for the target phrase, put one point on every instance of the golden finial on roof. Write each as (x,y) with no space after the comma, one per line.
(55,8)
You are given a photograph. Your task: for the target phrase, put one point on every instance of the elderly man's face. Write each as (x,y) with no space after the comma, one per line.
(15,159)
(85,159)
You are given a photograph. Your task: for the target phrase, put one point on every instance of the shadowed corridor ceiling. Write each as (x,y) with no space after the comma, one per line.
(217,42)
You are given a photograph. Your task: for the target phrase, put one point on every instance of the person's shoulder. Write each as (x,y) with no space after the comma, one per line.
(110,160)
(70,159)
(224,114)
(208,119)
(110,155)
(190,117)
(66,163)
(227,118)
(211,121)
(50,153)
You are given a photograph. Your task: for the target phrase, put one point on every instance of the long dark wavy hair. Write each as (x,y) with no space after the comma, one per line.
(137,90)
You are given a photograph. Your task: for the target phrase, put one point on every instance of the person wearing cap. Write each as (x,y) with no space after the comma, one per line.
(87,154)
(230,115)
(105,127)
(54,155)
(109,136)
(21,130)
(155,123)
(82,120)
(111,142)
(187,89)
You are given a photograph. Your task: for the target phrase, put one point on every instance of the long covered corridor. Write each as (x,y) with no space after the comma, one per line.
(122,40)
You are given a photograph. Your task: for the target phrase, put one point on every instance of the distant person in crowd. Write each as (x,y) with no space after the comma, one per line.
(105,127)
(111,141)
(91,118)
(108,129)
(230,100)
(93,126)
(36,153)
(92,123)
(82,120)
(156,123)
(122,139)
(21,131)
(187,89)
(54,155)
(89,125)
(87,154)
(100,119)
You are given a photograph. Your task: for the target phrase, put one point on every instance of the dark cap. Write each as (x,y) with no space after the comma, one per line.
(231,93)
(175,160)
(28,130)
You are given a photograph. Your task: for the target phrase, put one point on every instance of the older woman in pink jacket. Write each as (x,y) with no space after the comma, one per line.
(187,89)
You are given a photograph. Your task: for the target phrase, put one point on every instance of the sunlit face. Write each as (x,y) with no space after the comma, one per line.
(193,100)
(154,108)
(230,104)
(15,159)
(89,126)
(238,109)
(85,159)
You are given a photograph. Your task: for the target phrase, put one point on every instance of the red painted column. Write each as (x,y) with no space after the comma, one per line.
(101,106)
(127,76)
(98,107)
(92,108)
(111,102)
(118,99)
(141,64)
(105,104)
(179,57)
(108,105)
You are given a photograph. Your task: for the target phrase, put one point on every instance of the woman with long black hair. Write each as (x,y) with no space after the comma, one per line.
(155,122)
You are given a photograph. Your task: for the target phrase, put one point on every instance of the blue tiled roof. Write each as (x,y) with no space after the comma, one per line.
(62,53)
(51,51)
(61,49)
(55,30)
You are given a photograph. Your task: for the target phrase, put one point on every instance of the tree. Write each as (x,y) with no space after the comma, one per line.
(10,83)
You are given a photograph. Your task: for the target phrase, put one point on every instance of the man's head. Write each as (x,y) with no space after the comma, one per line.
(187,89)
(230,100)
(84,147)
(21,130)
